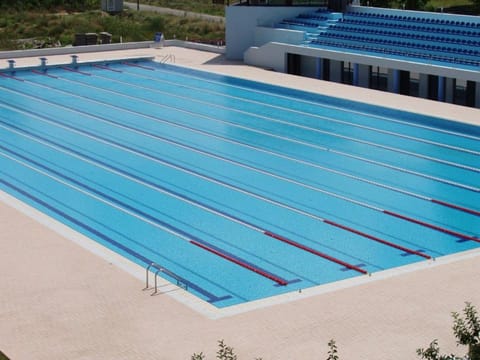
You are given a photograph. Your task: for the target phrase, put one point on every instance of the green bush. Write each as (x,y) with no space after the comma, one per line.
(156,23)
(467,331)
(61,25)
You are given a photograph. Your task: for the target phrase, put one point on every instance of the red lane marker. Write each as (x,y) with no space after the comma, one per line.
(431,226)
(106,68)
(374,238)
(315,252)
(44,74)
(11,77)
(75,71)
(139,66)
(453,206)
(278,280)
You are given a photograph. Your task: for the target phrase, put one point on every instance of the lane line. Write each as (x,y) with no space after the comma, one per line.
(11,77)
(44,73)
(104,67)
(75,71)
(138,66)
(316,252)
(306,127)
(457,207)
(309,114)
(162,67)
(132,211)
(210,154)
(434,227)
(359,158)
(88,228)
(254,148)
(360,203)
(241,263)
(401,216)
(103,165)
(377,239)
(385,242)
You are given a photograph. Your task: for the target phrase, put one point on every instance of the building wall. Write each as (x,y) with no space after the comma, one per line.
(242,21)
(263,35)
(275,55)
(251,36)
(269,56)
(112,5)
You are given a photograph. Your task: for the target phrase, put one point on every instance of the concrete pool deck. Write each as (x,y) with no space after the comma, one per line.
(60,301)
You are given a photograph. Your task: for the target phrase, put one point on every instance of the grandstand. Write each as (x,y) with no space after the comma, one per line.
(423,54)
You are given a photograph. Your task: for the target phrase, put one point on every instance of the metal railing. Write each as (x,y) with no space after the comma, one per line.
(180,282)
(168,58)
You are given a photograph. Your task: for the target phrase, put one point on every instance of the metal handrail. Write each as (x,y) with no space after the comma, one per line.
(180,282)
(168,58)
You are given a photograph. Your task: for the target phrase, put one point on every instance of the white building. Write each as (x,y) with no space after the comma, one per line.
(424,54)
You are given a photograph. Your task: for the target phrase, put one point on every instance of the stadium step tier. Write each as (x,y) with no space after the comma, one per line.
(426,39)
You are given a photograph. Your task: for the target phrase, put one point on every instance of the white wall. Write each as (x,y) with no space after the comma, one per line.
(241,23)
(14,54)
(275,51)
(263,35)
(269,56)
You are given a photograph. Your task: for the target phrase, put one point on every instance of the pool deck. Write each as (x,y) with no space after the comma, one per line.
(59,300)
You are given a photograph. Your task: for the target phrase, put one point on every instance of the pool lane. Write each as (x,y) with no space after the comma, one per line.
(387,175)
(234,190)
(473,187)
(311,122)
(214,118)
(359,115)
(207,190)
(266,190)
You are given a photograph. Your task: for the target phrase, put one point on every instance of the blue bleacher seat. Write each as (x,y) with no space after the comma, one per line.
(378,33)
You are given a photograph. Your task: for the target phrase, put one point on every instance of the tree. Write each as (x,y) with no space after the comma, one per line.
(333,352)
(467,332)
(414,4)
(225,352)
(198,356)
(433,353)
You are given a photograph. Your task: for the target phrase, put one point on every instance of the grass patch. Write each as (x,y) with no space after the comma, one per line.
(449,3)
(3,356)
(60,27)
(199,6)
(438,4)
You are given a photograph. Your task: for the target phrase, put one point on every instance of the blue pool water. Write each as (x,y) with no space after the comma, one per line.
(243,190)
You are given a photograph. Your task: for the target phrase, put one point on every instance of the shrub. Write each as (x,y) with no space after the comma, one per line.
(467,331)
(332,352)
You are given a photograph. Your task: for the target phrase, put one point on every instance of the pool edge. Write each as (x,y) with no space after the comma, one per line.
(202,307)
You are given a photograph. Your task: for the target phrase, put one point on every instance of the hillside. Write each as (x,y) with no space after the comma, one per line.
(47,23)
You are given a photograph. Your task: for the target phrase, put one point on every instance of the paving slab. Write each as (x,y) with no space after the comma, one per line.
(63,298)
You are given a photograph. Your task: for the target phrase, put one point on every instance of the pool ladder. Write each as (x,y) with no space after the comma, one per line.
(168,58)
(180,282)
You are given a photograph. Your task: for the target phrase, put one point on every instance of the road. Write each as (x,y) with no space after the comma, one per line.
(163,10)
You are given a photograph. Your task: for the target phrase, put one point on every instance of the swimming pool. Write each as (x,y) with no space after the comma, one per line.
(242,189)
